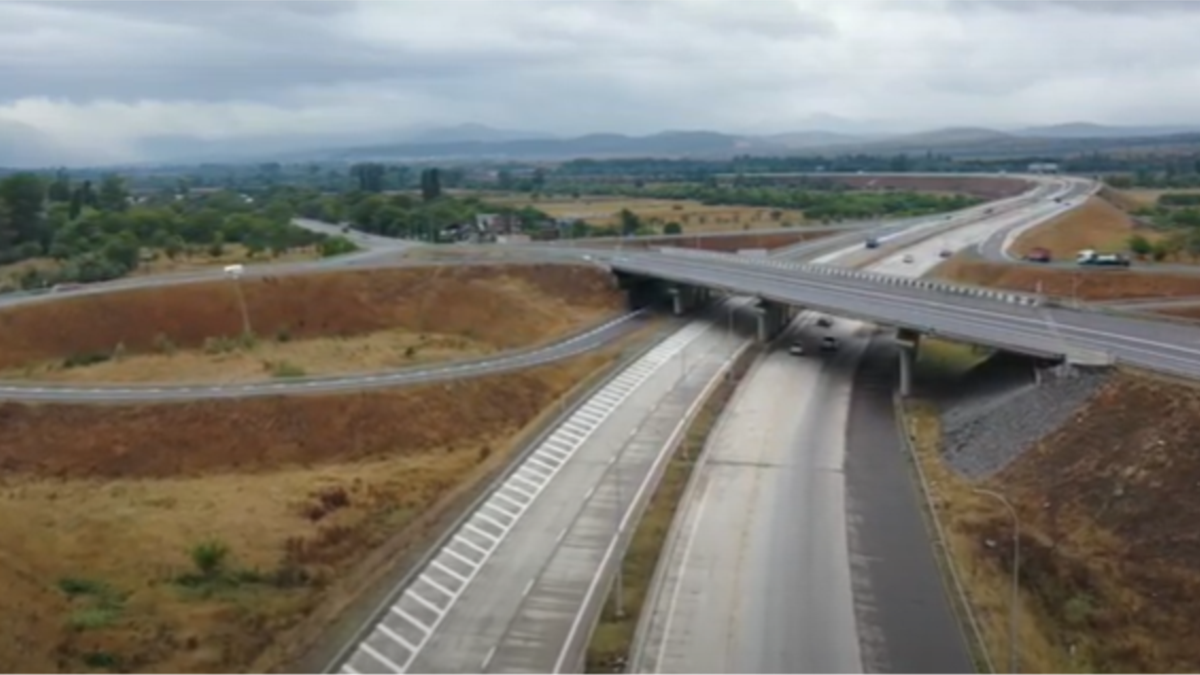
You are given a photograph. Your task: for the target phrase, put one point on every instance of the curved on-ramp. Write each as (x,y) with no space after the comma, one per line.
(573,345)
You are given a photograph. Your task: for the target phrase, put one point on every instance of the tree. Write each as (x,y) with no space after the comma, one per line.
(431,184)
(630,223)
(1140,246)
(24,195)
(113,195)
(59,189)
(369,176)
(672,228)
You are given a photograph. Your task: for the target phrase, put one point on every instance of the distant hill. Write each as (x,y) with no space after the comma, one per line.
(22,146)
(1090,130)
(468,133)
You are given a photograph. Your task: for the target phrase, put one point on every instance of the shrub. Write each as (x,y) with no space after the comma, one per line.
(209,558)
(287,369)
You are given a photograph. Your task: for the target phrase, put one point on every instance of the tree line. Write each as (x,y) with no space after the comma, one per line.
(100,232)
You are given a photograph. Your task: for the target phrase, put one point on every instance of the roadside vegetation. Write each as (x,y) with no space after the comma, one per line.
(55,230)
(1108,577)
(230,535)
(236,549)
(301,324)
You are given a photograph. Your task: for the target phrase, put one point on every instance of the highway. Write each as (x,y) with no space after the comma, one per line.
(773,562)
(518,586)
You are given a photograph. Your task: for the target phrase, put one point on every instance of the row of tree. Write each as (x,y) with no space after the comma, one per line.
(100,233)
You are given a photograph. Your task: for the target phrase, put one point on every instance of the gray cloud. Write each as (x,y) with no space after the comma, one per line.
(101,75)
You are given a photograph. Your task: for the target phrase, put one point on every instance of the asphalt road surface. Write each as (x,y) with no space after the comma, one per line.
(757,579)
(516,588)
(774,562)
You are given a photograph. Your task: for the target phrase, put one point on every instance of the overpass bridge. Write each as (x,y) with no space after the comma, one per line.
(1011,322)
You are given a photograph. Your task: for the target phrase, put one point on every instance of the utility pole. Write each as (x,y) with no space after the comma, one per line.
(1014,600)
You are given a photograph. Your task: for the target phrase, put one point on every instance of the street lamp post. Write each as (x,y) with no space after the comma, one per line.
(1016,572)
(234,272)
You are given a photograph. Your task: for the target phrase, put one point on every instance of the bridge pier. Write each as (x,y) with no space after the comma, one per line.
(686,298)
(909,343)
(772,318)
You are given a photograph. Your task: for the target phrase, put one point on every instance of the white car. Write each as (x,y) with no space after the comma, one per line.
(796,349)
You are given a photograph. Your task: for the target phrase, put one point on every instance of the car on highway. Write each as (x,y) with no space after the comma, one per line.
(796,349)
(945,253)
(908,258)
(872,243)
(825,322)
(829,344)
(1038,255)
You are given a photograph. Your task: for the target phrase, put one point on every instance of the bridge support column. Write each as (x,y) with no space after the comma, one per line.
(906,365)
(772,317)
(909,343)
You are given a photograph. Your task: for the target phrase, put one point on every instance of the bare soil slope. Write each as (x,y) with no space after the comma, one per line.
(503,306)
(106,512)
(1097,225)
(1086,285)
(1111,556)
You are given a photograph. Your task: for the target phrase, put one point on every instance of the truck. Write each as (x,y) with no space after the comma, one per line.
(1091,257)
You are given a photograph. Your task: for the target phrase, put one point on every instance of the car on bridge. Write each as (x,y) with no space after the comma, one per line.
(825,322)
(796,349)
(829,344)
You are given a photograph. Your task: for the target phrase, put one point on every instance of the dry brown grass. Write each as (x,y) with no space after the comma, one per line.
(695,217)
(262,359)
(119,496)
(501,306)
(1084,284)
(1145,197)
(160,264)
(1097,225)
(1109,567)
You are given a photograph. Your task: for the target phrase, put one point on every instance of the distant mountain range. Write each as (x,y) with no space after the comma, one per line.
(956,142)
(22,146)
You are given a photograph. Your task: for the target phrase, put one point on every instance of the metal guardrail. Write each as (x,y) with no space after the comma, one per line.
(1008,297)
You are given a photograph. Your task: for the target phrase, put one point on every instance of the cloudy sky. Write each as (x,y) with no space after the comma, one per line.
(99,75)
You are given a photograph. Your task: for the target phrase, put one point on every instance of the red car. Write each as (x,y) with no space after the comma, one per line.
(1039,255)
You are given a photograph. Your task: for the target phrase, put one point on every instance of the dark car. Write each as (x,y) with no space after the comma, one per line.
(829,344)
(824,322)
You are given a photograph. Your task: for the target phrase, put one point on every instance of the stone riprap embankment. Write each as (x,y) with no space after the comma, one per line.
(986,429)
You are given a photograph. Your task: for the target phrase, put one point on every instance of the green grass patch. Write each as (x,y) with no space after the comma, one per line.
(937,358)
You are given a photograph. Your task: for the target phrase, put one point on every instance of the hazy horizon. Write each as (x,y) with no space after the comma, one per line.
(105,81)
